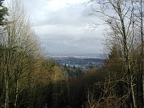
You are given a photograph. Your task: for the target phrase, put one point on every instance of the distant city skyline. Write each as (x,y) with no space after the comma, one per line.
(64,26)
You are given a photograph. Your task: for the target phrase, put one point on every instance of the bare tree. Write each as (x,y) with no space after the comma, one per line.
(121,16)
(21,52)
(142,44)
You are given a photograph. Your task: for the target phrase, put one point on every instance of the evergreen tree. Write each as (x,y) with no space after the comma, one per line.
(3,12)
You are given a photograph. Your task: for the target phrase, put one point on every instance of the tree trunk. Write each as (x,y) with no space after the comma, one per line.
(7,86)
(126,52)
(142,49)
(16,92)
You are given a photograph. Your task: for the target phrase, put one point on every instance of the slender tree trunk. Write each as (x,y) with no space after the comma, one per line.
(142,49)
(126,52)
(6,92)
(133,92)
(16,90)
(6,84)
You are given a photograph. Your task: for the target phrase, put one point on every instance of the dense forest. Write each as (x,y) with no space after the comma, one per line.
(28,80)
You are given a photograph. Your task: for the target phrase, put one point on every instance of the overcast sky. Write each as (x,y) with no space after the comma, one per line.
(63,26)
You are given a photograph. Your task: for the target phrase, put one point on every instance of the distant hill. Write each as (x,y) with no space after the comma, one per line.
(99,56)
(78,61)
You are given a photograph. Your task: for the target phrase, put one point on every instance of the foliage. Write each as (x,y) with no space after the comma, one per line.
(3,12)
(27,80)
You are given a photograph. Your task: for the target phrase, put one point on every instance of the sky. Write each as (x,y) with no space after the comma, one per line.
(65,26)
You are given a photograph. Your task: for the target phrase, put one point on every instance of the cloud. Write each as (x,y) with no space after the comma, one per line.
(55,5)
(63,26)
(76,15)
(87,43)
